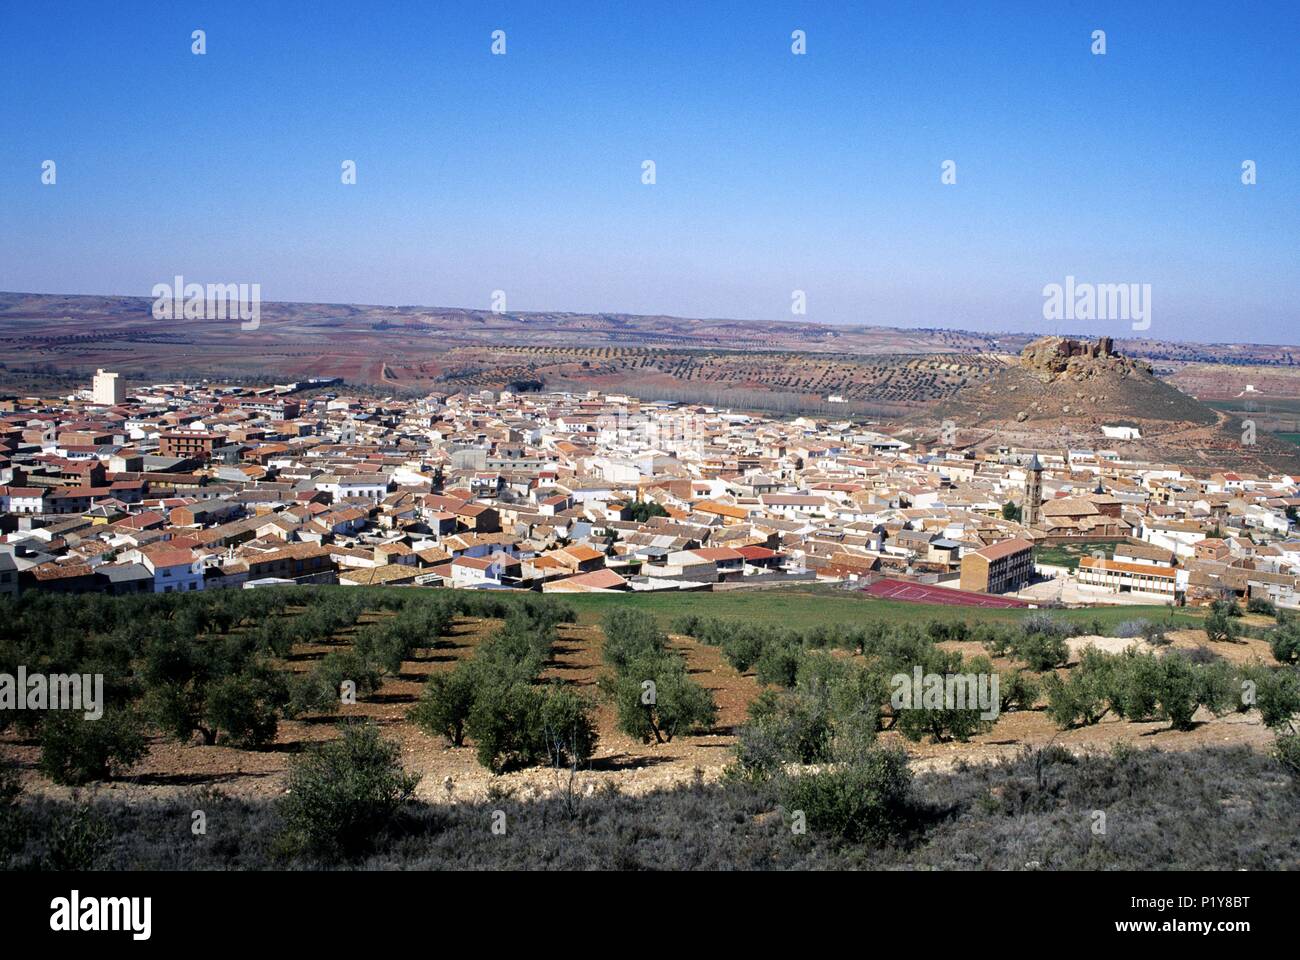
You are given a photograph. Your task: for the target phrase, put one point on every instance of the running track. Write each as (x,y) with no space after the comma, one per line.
(924,593)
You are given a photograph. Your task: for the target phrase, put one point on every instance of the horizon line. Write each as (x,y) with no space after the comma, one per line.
(830,325)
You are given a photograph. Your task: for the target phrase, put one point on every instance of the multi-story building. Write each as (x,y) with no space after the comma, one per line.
(108,388)
(174,570)
(998,568)
(188,444)
(1124,577)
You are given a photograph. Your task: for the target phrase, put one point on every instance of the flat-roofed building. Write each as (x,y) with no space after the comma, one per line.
(188,444)
(1123,577)
(108,388)
(998,568)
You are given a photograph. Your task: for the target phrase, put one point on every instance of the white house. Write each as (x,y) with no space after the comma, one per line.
(174,570)
(367,487)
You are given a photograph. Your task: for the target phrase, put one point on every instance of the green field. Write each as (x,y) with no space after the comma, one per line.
(1246,406)
(1276,415)
(1068,554)
(803,607)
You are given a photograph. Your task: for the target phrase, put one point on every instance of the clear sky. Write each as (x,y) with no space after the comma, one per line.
(774,172)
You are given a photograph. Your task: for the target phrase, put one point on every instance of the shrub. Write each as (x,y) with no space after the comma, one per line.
(629,635)
(655,699)
(12,826)
(688,624)
(505,724)
(10,788)
(1155,634)
(1227,605)
(1287,752)
(742,647)
(777,664)
(997,640)
(446,703)
(1201,654)
(941,631)
(244,708)
(1151,631)
(783,728)
(1046,624)
(866,801)
(75,750)
(1221,623)
(1261,605)
(76,840)
(1018,690)
(568,727)
(1041,651)
(942,720)
(1277,694)
(1082,698)
(1284,642)
(344,792)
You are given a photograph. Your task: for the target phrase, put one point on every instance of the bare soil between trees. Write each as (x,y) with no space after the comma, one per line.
(621,764)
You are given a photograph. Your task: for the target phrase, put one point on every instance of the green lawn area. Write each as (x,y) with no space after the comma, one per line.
(803,607)
(1068,554)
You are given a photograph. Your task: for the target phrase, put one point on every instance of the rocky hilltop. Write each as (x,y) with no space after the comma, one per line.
(1061,392)
(1058,378)
(1055,358)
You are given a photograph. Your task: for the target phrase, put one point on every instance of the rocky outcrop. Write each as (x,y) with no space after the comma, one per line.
(1056,358)
(1061,392)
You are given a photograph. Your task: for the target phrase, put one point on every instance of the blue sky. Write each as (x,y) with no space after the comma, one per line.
(775,172)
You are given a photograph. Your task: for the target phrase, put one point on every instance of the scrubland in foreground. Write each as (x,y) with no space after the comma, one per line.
(1212,809)
(802,756)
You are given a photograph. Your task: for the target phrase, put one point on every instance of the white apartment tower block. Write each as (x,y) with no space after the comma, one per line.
(108,388)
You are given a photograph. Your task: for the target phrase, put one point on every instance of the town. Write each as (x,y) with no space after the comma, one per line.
(178,487)
(647,438)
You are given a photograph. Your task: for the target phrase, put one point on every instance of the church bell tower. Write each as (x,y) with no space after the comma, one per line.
(1032,511)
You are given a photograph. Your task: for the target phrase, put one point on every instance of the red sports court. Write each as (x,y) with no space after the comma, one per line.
(924,593)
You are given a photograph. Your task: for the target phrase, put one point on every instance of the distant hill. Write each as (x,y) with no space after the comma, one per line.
(53,343)
(78,315)
(1061,392)
(1058,379)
